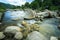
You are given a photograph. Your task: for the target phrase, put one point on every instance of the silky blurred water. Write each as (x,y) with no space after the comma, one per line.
(52,21)
(9,15)
(49,25)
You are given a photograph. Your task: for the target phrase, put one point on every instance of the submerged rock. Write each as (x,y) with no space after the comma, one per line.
(13,29)
(18,35)
(49,29)
(2,35)
(36,36)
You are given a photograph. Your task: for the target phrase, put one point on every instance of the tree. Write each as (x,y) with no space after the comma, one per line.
(27,5)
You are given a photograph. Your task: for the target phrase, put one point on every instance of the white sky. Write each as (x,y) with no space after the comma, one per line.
(16,2)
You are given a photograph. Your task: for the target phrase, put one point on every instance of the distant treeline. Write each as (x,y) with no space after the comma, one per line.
(4,6)
(43,4)
(35,5)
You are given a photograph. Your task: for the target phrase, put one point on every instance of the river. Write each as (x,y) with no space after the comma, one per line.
(51,22)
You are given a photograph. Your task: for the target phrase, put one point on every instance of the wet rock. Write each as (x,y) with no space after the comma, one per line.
(52,13)
(2,35)
(18,35)
(46,14)
(36,36)
(13,29)
(41,14)
(30,14)
(53,38)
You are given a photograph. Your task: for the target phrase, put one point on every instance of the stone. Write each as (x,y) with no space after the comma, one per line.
(46,14)
(18,35)
(13,29)
(2,35)
(36,36)
(30,14)
(34,27)
(53,38)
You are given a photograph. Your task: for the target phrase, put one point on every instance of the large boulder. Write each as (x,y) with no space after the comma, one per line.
(30,14)
(46,14)
(36,36)
(12,29)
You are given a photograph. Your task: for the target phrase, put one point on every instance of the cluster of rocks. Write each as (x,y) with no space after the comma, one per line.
(31,30)
(31,14)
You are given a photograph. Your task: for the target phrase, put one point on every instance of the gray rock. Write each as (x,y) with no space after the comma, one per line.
(53,38)
(18,35)
(2,35)
(30,14)
(12,29)
(36,36)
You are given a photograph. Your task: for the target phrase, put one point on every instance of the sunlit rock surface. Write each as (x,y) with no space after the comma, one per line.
(30,14)
(36,36)
(46,14)
(12,29)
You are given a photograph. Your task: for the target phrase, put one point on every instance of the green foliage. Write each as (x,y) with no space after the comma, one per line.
(27,5)
(35,5)
(4,6)
(54,8)
(45,4)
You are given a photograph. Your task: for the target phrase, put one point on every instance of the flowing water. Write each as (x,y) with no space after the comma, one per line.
(19,15)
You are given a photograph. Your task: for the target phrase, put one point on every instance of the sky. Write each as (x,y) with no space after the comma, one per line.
(16,2)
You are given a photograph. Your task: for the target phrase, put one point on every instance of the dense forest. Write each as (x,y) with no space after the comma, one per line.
(43,4)
(35,5)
